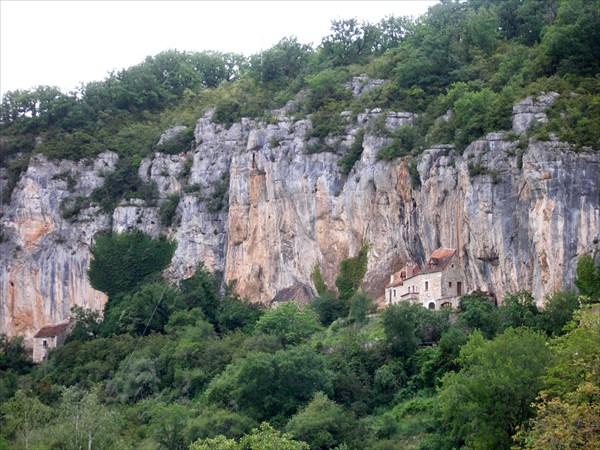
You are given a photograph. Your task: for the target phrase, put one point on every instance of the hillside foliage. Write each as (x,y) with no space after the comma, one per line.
(474,59)
(173,366)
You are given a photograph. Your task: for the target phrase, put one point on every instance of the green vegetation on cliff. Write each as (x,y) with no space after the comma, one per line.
(474,59)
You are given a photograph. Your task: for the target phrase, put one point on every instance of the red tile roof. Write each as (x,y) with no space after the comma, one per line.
(437,262)
(439,259)
(398,279)
(51,330)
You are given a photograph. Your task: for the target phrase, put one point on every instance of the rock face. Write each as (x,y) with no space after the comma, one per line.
(265,205)
(530,111)
(44,261)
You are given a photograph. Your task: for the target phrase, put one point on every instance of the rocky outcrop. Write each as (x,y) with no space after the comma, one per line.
(265,205)
(362,84)
(530,111)
(44,260)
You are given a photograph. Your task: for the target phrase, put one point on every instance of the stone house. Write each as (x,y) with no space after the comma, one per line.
(439,284)
(48,337)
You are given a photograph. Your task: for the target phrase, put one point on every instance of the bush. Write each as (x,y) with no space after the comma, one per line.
(289,323)
(352,272)
(406,139)
(124,183)
(167,212)
(70,207)
(121,261)
(271,386)
(327,121)
(178,144)
(219,200)
(346,162)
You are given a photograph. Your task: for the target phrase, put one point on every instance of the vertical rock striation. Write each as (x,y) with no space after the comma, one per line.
(265,204)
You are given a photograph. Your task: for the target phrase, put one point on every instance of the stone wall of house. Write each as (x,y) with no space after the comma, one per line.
(39,351)
(433,282)
(453,275)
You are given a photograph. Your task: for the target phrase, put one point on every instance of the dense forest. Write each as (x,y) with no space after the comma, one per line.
(192,365)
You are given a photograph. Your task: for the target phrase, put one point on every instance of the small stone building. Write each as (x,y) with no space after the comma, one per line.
(48,337)
(439,284)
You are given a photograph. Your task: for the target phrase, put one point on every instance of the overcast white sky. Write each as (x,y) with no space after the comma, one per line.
(64,43)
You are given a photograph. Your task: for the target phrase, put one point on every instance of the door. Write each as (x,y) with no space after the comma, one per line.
(459,288)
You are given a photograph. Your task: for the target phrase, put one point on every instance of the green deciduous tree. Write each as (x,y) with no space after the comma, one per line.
(476,312)
(400,325)
(283,62)
(571,42)
(568,410)
(322,424)
(146,311)
(482,405)
(13,355)
(263,438)
(24,415)
(84,422)
(168,423)
(558,310)
(360,306)
(476,113)
(350,41)
(289,323)
(325,86)
(201,290)
(519,309)
(271,386)
(212,422)
(587,278)
(268,438)
(87,324)
(572,421)
(136,379)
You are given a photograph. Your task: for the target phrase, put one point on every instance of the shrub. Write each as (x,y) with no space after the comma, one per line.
(406,139)
(178,144)
(124,183)
(219,199)
(346,162)
(352,272)
(70,207)
(168,209)
(123,260)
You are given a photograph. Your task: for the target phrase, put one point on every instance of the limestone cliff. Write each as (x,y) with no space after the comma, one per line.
(260,205)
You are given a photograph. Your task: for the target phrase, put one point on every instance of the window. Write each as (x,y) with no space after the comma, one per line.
(431,305)
(427,286)
(45,343)
(452,265)
(449,284)
(446,305)
(394,292)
